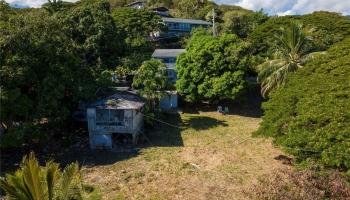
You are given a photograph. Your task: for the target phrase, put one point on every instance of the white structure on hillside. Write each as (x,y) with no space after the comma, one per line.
(168,56)
(137,4)
(119,113)
(178,27)
(169,103)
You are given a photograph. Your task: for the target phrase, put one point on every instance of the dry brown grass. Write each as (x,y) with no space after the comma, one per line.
(217,159)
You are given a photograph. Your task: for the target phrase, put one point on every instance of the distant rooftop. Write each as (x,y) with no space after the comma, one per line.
(167,53)
(186,21)
(135,3)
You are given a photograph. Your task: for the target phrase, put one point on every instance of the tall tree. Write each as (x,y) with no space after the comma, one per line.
(151,81)
(292,54)
(136,26)
(51,62)
(93,34)
(212,67)
(242,22)
(151,78)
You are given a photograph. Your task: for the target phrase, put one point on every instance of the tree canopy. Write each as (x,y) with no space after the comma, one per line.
(51,62)
(151,79)
(324,28)
(212,68)
(308,115)
(293,52)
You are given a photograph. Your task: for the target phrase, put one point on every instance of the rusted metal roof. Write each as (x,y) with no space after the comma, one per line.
(121,100)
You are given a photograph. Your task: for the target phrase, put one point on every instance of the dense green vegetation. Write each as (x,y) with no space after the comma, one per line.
(35,182)
(151,79)
(293,51)
(51,61)
(324,28)
(136,26)
(212,68)
(309,115)
(185,8)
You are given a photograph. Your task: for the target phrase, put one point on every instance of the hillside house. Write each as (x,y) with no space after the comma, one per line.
(119,113)
(168,56)
(178,27)
(137,4)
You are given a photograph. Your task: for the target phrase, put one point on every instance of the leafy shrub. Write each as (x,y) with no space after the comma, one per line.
(306,185)
(35,182)
(212,67)
(310,115)
(20,135)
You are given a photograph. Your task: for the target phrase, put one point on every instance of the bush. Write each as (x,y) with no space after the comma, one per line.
(25,134)
(212,68)
(310,115)
(35,182)
(306,185)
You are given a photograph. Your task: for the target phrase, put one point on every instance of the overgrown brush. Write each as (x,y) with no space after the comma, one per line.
(296,185)
(310,115)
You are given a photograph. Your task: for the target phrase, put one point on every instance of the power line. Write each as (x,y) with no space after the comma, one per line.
(158,120)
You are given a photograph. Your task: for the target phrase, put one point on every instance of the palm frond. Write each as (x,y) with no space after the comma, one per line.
(13,192)
(70,181)
(33,182)
(292,49)
(268,67)
(52,175)
(32,177)
(312,56)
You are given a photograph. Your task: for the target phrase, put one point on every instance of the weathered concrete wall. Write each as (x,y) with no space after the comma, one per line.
(101,135)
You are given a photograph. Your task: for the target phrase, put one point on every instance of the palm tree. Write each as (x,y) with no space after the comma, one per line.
(292,54)
(33,182)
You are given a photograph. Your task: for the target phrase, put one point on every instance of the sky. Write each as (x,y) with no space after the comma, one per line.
(272,7)
(292,7)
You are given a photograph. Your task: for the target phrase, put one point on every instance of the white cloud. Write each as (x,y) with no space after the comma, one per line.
(30,3)
(288,7)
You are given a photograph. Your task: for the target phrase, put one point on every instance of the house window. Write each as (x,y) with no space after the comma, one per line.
(172,75)
(172,60)
(185,27)
(169,60)
(108,117)
(173,26)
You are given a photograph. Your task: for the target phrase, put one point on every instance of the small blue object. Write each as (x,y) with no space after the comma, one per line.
(101,141)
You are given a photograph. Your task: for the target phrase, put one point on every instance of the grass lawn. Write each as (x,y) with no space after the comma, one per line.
(210,156)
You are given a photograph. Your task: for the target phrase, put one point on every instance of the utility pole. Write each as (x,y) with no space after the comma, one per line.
(214,27)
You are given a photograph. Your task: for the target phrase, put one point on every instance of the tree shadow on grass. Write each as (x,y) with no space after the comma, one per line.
(203,122)
(247,105)
(166,132)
